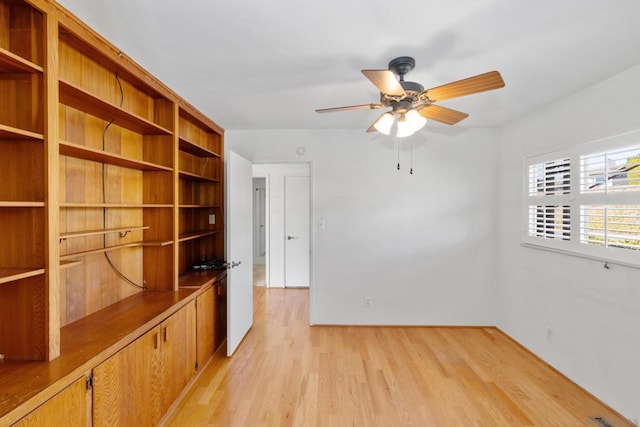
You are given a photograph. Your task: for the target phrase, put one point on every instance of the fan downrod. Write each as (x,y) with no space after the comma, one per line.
(402,65)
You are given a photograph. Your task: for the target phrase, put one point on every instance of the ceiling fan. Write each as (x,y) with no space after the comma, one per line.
(411,105)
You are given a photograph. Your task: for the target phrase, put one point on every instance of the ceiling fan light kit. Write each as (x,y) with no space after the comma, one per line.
(383,123)
(411,105)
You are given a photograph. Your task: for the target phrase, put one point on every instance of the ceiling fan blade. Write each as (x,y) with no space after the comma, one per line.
(371,129)
(442,114)
(385,81)
(350,107)
(480,83)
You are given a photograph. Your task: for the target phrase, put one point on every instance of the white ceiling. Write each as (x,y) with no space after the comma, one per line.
(253,64)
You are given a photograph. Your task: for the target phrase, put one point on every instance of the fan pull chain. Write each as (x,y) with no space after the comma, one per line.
(398,141)
(411,161)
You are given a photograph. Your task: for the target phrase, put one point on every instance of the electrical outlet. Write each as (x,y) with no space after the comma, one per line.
(367,302)
(212,219)
(549,333)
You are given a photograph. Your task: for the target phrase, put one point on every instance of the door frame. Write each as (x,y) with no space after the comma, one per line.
(267,230)
(309,224)
(311,220)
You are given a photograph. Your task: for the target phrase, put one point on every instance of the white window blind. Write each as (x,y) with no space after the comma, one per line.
(612,171)
(591,209)
(550,222)
(550,178)
(611,226)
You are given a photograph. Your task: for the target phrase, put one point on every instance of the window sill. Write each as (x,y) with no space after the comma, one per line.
(605,261)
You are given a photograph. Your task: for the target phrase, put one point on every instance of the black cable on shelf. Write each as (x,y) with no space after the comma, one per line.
(115,269)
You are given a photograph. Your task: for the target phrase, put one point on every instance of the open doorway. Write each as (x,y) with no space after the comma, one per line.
(286,226)
(259,231)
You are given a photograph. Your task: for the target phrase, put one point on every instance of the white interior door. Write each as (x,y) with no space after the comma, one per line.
(239,254)
(296,217)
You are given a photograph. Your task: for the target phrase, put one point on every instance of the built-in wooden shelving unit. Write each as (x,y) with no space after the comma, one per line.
(112,190)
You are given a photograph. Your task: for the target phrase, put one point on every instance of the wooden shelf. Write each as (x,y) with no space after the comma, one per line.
(197,235)
(70,263)
(199,206)
(113,205)
(198,279)
(13,274)
(99,232)
(9,132)
(195,149)
(82,152)
(114,248)
(11,63)
(196,177)
(18,204)
(82,100)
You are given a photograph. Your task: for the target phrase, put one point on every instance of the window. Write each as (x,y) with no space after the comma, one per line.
(585,200)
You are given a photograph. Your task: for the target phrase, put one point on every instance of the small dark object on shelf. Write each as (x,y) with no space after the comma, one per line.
(214,264)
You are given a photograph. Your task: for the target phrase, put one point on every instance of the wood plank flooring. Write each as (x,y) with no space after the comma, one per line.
(287,373)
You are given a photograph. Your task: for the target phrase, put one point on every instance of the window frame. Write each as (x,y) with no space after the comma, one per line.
(576,200)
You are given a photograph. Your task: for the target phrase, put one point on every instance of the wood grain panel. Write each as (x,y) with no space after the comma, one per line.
(5,25)
(21,170)
(205,312)
(26,33)
(158,150)
(22,237)
(138,385)
(200,166)
(23,319)
(51,184)
(124,384)
(191,342)
(158,268)
(67,408)
(195,135)
(21,101)
(177,367)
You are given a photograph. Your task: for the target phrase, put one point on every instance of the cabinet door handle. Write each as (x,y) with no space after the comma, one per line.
(156,340)
(164,334)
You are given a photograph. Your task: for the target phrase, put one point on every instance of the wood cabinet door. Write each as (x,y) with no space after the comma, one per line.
(137,385)
(205,313)
(67,408)
(177,367)
(123,385)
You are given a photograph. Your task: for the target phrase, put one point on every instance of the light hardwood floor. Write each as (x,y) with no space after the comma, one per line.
(287,373)
(259,275)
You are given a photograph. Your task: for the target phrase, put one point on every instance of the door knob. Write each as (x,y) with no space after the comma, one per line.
(234,264)
(291,237)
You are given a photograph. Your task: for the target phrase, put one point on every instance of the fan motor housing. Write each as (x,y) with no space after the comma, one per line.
(402,65)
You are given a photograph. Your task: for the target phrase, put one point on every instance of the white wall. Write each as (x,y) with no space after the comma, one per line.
(594,312)
(420,246)
(275,175)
